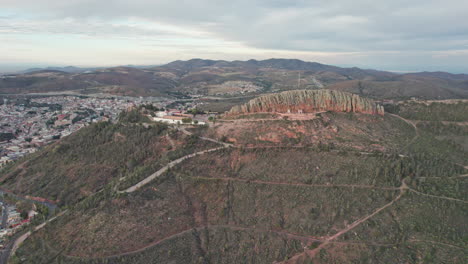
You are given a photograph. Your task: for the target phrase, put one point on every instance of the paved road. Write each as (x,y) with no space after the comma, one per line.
(175,162)
(165,168)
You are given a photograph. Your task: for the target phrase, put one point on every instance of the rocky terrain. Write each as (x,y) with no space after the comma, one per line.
(309,101)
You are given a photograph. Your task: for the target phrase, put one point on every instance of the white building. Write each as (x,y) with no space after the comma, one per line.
(175,120)
(168,119)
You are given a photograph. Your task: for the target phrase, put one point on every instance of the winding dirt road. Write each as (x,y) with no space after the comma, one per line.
(199,228)
(312,252)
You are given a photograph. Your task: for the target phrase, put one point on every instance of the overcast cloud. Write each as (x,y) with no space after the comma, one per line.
(389,35)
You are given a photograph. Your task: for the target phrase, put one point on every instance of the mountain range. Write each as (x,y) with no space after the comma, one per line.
(236,78)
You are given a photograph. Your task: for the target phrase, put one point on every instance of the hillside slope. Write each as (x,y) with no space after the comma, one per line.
(79,165)
(335,188)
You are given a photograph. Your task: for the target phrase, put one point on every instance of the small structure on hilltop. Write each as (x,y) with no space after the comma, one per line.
(175,117)
(309,101)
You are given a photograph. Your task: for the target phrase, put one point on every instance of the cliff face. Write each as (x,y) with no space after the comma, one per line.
(309,101)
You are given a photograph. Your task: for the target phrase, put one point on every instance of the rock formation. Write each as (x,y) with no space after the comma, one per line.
(309,101)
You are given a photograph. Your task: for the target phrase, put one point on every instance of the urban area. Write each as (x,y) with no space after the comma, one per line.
(27,124)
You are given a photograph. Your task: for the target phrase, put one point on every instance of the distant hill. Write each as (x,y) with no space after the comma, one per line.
(69,69)
(280,64)
(118,81)
(441,75)
(236,78)
(204,76)
(73,69)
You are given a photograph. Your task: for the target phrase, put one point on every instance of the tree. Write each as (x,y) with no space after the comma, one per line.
(195,111)
(24,214)
(187,120)
(131,163)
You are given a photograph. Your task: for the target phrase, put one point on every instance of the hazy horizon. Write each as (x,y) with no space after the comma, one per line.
(392,36)
(11,69)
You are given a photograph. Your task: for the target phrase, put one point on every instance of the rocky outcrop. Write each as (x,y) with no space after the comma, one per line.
(309,101)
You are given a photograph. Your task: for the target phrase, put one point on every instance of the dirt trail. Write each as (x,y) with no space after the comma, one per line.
(435,242)
(460,123)
(449,177)
(416,130)
(188,133)
(433,196)
(199,228)
(298,184)
(311,253)
(403,188)
(278,117)
(438,197)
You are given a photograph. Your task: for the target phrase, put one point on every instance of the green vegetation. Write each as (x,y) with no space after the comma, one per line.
(133,116)
(187,120)
(435,148)
(222,105)
(6,136)
(195,111)
(286,186)
(434,111)
(417,227)
(99,154)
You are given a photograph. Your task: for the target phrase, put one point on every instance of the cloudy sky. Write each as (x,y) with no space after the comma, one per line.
(393,35)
